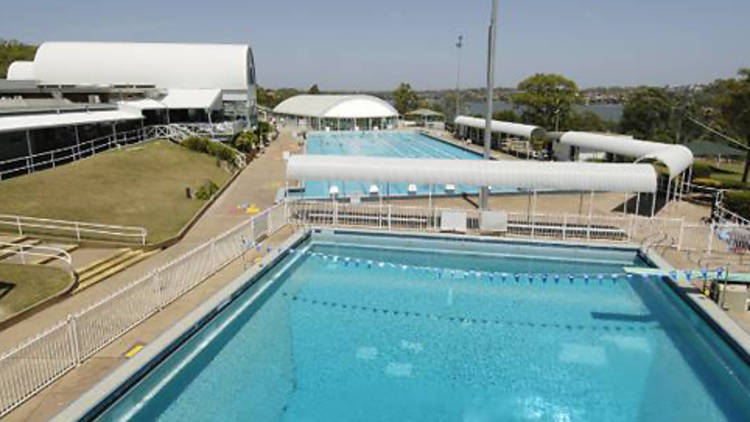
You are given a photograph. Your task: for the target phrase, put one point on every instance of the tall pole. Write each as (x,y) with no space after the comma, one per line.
(459,44)
(484,192)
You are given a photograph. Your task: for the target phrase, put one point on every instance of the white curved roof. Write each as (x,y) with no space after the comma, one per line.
(21,71)
(336,106)
(677,158)
(559,176)
(41,121)
(515,129)
(164,65)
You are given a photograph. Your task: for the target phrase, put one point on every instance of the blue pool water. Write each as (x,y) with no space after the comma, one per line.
(383,144)
(367,328)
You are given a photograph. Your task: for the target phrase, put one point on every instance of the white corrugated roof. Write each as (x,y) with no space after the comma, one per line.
(336,106)
(677,158)
(21,71)
(40,121)
(558,176)
(164,65)
(192,98)
(143,104)
(515,129)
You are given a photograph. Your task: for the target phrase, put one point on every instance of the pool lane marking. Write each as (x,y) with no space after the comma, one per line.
(205,342)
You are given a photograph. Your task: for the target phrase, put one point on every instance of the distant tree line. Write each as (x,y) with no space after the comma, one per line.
(12,50)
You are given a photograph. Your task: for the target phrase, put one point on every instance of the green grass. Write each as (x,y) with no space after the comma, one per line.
(142,185)
(24,285)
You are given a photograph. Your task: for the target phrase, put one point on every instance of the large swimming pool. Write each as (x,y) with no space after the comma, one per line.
(383,144)
(357,327)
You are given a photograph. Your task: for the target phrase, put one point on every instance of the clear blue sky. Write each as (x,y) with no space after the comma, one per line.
(358,44)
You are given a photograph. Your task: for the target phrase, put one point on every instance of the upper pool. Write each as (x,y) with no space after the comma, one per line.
(358,327)
(383,144)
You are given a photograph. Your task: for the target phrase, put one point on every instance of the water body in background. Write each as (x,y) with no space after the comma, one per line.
(610,112)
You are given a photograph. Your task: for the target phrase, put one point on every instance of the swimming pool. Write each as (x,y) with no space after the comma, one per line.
(383,144)
(356,326)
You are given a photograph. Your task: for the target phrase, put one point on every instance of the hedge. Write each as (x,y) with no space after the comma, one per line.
(702,170)
(205,145)
(738,202)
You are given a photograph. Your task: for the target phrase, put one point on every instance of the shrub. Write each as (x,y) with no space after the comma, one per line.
(221,151)
(245,141)
(702,170)
(196,143)
(739,202)
(206,191)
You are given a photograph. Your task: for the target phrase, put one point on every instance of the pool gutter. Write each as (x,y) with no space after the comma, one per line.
(98,398)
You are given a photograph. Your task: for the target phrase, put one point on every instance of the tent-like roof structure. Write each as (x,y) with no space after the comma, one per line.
(530,175)
(162,65)
(336,106)
(21,71)
(192,98)
(515,129)
(677,158)
(41,121)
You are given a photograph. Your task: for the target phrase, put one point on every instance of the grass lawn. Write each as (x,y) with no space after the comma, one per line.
(142,185)
(24,285)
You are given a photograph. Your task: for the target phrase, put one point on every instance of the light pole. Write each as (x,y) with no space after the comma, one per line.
(459,44)
(485,191)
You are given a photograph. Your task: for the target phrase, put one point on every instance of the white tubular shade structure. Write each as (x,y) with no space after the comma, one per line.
(515,129)
(21,71)
(529,175)
(677,158)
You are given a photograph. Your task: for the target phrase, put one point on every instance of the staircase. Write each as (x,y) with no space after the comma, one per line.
(101,269)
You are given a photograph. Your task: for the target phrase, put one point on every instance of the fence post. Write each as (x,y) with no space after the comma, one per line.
(630,228)
(390,209)
(565,225)
(78,232)
(73,336)
(22,253)
(588,229)
(18,224)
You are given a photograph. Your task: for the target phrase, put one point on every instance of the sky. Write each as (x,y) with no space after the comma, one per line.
(374,45)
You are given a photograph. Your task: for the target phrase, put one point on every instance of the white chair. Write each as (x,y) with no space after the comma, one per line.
(374,190)
(411,189)
(449,188)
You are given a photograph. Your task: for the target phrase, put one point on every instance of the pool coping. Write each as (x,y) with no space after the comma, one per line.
(103,394)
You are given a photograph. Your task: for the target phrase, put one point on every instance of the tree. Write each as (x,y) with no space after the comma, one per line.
(646,115)
(314,90)
(545,98)
(405,99)
(506,116)
(733,107)
(11,51)
(587,121)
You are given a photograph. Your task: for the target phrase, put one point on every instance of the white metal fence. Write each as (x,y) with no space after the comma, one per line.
(78,229)
(665,232)
(34,364)
(33,253)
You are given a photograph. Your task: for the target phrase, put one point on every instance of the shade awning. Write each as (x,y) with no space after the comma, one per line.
(41,121)
(498,126)
(529,175)
(677,158)
(143,104)
(192,98)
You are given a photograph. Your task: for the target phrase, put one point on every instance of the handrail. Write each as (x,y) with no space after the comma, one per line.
(81,229)
(42,251)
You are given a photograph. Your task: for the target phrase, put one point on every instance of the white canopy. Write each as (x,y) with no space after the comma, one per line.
(192,98)
(677,158)
(336,106)
(143,104)
(515,129)
(531,175)
(163,65)
(41,121)
(21,70)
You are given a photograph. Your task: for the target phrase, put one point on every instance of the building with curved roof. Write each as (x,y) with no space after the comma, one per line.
(337,112)
(21,70)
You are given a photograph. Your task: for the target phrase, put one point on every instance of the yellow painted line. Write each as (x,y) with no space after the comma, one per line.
(134,350)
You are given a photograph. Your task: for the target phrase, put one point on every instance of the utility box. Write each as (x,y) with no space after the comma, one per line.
(732,297)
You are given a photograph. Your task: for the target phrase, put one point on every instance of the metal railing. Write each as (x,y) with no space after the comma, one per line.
(34,364)
(25,252)
(78,229)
